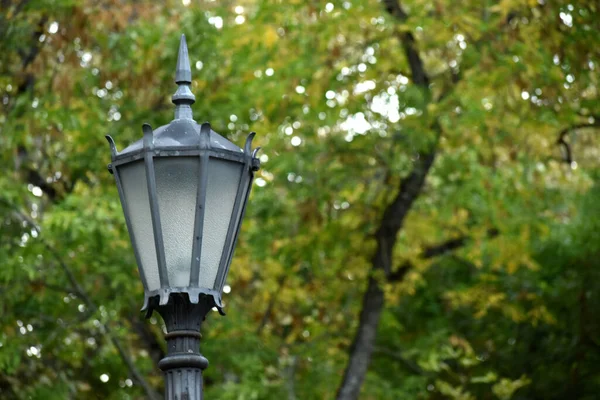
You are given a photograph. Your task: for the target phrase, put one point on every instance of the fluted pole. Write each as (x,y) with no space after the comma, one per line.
(183,364)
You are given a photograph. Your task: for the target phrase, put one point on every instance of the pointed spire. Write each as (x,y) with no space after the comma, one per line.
(183,74)
(183,97)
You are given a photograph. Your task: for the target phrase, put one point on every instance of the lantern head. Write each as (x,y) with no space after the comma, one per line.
(183,189)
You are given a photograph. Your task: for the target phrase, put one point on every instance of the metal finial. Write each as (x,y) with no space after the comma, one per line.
(183,73)
(183,97)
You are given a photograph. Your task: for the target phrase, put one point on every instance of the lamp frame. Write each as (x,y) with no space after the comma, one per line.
(204,150)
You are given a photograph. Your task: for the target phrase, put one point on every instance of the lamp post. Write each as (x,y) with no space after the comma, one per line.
(183,189)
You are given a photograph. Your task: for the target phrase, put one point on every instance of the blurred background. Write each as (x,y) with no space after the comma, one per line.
(425,224)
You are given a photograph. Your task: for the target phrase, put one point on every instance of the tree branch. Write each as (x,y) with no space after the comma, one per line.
(407,40)
(435,251)
(447,246)
(290,372)
(267,315)
(82,294)
(561,141)
(452,244)
(397,356)
(152,343)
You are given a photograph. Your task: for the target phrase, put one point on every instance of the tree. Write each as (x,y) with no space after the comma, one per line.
(437,160)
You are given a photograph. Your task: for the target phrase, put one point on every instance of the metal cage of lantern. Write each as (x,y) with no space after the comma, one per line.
(203,149)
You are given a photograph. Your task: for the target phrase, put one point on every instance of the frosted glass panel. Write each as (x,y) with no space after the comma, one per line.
(238,215)
(135,190)
(177,189)
(223,181)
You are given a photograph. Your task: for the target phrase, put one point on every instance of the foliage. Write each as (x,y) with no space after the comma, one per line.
(510,313)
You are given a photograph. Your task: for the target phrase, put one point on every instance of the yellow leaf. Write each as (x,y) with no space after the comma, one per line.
(269,36)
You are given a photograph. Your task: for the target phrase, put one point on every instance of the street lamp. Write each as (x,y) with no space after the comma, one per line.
(183,189)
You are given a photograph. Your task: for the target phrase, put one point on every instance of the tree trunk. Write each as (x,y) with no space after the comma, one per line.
(391,224)
(373,298)
(364,342)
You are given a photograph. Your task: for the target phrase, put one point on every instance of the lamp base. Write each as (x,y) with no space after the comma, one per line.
(183,364)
